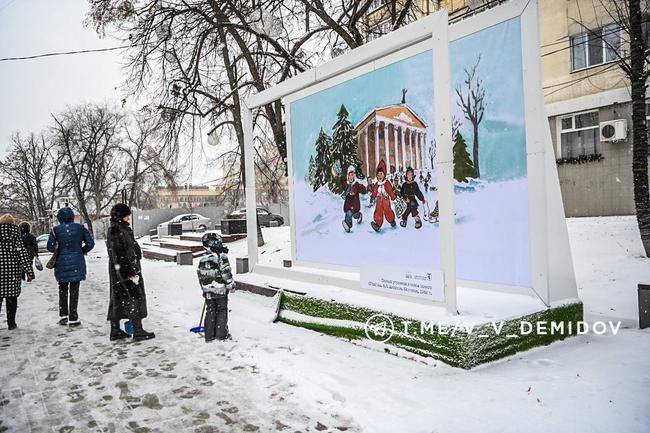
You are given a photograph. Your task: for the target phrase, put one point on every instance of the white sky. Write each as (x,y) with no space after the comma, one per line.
(32,89)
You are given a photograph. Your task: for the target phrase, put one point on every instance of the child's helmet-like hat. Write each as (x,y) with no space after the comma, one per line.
(212,241)
(351,169)
(410,169)
(381,167)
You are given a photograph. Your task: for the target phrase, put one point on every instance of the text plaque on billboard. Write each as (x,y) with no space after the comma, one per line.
(407,282)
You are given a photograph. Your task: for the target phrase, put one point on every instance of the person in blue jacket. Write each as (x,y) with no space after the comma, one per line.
(70,242)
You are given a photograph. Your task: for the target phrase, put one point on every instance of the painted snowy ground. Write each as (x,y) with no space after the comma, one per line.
(492,234)
(278,378)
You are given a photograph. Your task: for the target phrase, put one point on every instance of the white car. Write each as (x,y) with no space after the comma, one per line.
(42,242)
(193,222)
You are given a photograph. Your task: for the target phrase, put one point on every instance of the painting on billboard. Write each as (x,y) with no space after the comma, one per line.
(365,184)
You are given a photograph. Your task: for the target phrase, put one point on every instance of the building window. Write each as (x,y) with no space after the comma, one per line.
(380,30)
(595,47)
(376,4)
(579,135)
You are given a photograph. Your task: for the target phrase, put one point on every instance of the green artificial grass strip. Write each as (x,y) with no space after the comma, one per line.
(460,348)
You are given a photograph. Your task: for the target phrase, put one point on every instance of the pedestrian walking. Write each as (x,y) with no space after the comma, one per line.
(127,296)
(15,266)
(69,242)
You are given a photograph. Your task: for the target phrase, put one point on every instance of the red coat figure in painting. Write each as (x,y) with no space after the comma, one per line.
(382,192)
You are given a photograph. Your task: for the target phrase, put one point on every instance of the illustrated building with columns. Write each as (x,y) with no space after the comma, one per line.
(395,134)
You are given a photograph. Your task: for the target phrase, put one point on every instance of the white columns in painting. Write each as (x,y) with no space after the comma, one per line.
(395,148)
(415,150)
(403,149)
(420,150)
(367,129)
(424,149)
(376,144)
(411,152)
(386,147)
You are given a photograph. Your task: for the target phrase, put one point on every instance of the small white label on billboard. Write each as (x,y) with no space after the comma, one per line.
(419,284)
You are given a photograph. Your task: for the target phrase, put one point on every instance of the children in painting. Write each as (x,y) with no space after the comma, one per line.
(352,204)
(382,192)
(410,192)
(215,277)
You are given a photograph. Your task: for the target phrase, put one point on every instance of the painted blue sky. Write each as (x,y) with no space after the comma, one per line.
(501,134)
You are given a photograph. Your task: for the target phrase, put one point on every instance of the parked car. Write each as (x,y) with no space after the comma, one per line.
(263,215)
(192,222)
(42,242)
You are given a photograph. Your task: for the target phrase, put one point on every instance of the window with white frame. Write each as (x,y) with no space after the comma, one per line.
(595,47)
(579,135)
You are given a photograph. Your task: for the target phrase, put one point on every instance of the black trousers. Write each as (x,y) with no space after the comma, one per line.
(12,306)
(65,308)
(216,318)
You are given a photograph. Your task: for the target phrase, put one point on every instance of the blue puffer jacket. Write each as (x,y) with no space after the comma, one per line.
(74,241)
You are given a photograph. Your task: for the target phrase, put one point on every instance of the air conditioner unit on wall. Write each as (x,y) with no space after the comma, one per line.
(613,130)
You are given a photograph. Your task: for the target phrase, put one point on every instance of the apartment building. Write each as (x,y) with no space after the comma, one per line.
(587,97)
(188,196)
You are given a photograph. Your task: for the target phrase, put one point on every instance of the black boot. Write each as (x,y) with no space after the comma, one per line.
(116,332)
(140,334)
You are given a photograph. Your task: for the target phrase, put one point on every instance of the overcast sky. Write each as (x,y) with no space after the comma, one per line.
(32,89)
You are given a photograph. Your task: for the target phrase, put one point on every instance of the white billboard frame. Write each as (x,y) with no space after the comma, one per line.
(552,274)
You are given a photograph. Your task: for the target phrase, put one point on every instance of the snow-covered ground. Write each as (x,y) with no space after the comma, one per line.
(275,377)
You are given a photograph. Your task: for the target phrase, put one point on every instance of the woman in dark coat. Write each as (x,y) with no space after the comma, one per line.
(127,295)
(14,265)
(74,242)
(29,240)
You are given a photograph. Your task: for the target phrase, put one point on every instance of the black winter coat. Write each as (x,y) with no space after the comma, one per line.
(31,244)
(127,299)
(410,192)
(14,261)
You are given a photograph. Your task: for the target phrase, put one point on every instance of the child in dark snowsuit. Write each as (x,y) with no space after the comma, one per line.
(382,192)
(352,204)
(216,282)
(410,192)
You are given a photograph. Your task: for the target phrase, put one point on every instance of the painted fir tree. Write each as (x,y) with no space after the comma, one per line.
(344,151)
(463,166)
(320,166)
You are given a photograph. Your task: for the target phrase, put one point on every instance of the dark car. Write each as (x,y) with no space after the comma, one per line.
(263,215)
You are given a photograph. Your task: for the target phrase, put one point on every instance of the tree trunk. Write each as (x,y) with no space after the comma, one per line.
(639,127)
(475,158)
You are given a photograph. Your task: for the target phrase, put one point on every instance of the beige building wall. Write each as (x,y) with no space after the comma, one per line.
(592,188)
(596,188)
(188,197)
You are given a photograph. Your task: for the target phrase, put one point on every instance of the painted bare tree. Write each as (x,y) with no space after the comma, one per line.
(632,18)
(471,98)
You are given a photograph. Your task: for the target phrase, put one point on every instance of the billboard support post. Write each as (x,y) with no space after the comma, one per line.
(251,199)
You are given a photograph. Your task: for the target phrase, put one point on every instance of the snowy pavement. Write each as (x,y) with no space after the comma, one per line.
(275,377)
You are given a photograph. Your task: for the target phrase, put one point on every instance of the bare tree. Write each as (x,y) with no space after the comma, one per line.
(33,175)
(148,161)
(89,136)
(471,98)
(632,17)
(201,59)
